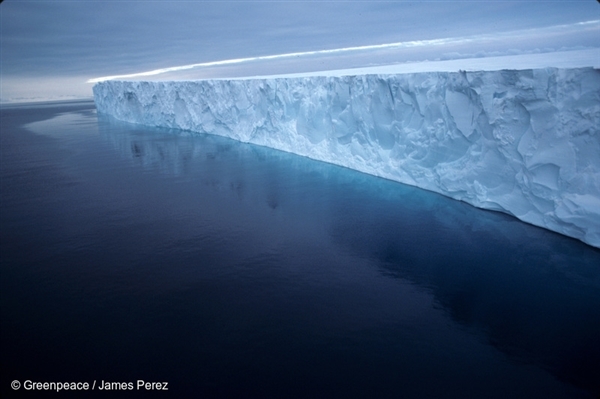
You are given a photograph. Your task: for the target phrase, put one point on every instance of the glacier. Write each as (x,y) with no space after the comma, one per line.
(524,142)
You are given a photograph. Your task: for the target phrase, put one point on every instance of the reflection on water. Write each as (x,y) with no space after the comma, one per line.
(533,293)
(261,273)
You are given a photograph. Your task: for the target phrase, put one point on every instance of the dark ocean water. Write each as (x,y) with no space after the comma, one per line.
(230,270)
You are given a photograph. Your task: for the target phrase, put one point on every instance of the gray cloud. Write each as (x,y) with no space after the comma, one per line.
(51,39)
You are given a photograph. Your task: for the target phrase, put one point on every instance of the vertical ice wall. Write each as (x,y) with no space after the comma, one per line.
(523,142)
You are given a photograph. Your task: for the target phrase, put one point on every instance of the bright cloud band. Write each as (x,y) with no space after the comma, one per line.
(595,25)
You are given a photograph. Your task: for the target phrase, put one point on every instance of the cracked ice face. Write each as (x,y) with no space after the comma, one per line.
(525,142)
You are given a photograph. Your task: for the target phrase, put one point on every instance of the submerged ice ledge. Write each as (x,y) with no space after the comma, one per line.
(525,142)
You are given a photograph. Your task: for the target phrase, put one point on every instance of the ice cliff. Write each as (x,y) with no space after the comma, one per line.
(525,142)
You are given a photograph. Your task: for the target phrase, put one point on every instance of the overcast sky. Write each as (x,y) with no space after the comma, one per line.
(50,48)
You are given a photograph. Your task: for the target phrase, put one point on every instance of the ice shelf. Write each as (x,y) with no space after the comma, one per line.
(524,142)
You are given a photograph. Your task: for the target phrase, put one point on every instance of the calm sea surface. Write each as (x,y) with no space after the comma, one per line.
(231,270)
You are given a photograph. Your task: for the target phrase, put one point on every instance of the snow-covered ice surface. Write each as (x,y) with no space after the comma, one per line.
(525,142)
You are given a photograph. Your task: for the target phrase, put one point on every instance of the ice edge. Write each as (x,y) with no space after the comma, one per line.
(525,142)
